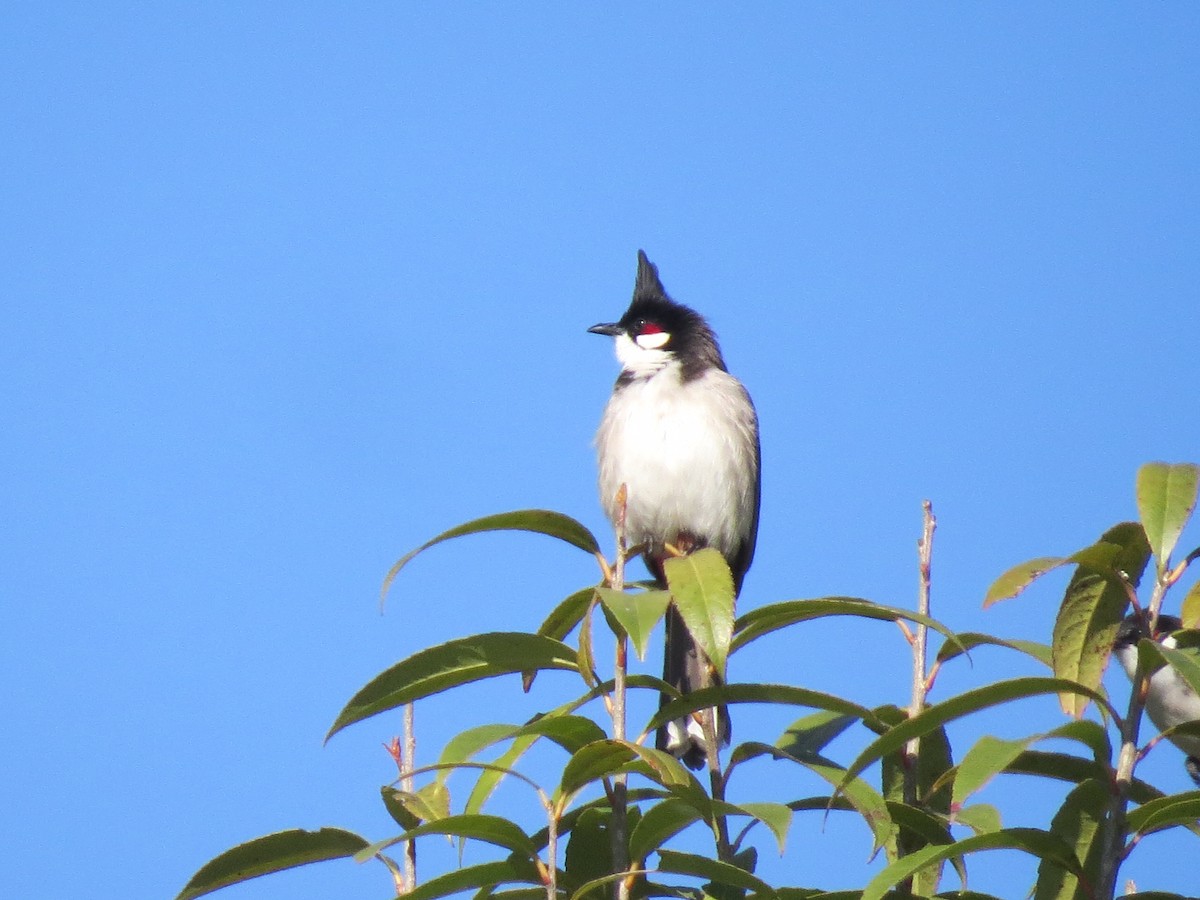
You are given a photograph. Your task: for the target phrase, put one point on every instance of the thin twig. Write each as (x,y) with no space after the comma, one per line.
(407,764)
(551,847)
(920,640)
(619,821)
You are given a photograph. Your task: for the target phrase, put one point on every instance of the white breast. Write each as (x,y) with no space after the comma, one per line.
(687,452)
(1170,700)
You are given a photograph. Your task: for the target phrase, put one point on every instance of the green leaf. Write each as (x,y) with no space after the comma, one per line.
(1041,844)
(863,798)
(466,744)
(1165,812)
(982,818)
(766,619)
(702,586)
(638,614)
(1166,496)
(452,664)
(661,822)
(564,617)
(1184,663)
(513,870)
(589,849)
(782,694)
(572,733)
(1133,553)
(539,521)
(969,640)
(919,829)
(561,622)
(1090,734)
(610,757)
(953,708)
(272,853)
(719,872)
(489,829)
(489,779)
(776,816)
(430,803)
(1189,611)
(1093,607)
(400,813)
(812,733)
(1078,822)
(989,757)
(1126,540)
(1084,631)
(935,766)
(1020,577)
(934,789)
(593,762)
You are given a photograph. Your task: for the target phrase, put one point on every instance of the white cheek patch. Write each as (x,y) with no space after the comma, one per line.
(653,341)
(640,360)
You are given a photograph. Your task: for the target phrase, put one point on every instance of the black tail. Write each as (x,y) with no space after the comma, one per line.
(687,668)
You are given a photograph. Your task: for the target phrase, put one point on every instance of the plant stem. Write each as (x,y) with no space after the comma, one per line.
(918,640)
(619,821)
(551,848)
(407,764)
(920,683)
(1115,825)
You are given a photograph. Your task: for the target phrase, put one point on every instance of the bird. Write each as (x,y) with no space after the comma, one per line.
(681,434)
(1170,700)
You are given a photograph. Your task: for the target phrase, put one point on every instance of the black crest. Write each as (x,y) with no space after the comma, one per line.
(692,340)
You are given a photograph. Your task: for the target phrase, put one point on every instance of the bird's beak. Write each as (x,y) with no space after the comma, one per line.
(612,329)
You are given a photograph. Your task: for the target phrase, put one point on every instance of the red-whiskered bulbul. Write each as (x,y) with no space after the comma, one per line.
(1170,700)
(681,433)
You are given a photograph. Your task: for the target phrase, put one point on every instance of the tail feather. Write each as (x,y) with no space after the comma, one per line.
(686,668)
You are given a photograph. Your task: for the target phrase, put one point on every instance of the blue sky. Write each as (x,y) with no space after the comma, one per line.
(289,289)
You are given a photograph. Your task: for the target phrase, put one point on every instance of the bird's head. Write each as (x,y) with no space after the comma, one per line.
(1133,629)
(656,332)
